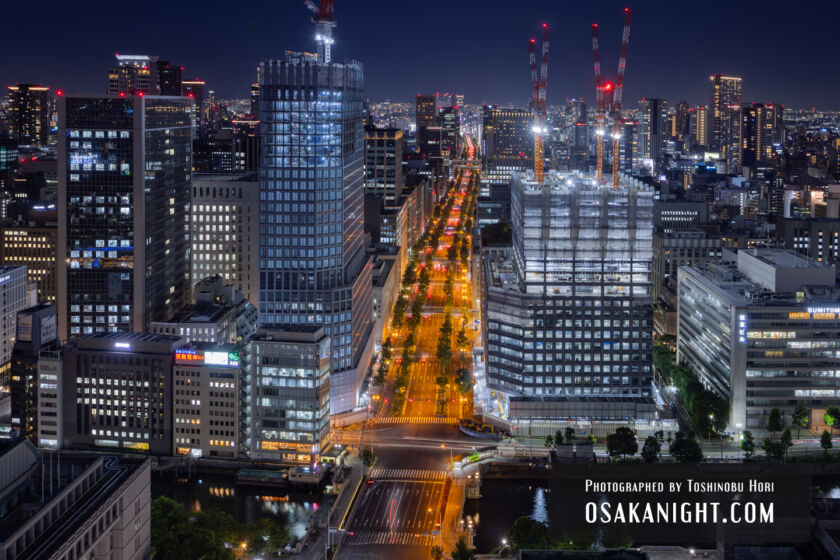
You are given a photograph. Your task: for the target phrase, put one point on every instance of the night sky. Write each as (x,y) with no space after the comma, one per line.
(785,54)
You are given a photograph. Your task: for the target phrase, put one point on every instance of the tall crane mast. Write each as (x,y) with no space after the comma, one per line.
(324,24)
(608,100)
(619,87)
(538,103)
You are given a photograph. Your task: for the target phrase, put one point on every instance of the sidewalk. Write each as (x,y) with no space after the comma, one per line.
(451,528)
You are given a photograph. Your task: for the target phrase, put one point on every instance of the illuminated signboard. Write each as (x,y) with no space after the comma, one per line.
(742,328)
(824,310)
(210,358)
(799,315)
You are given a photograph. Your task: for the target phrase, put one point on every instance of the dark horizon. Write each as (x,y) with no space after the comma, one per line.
(479,50)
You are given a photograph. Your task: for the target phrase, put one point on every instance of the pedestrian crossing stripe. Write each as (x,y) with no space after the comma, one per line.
(416,420)
(388,537)
(410,474)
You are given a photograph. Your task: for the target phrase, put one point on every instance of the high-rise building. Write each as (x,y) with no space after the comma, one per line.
(653,129)
(224,231)
(426,111)
(12,300)
(816,238)
(208,402)
(117,392)
(123,211)
(730,139)
(724,91)
(36,331)
(29,114)
(761,333)
(508,143)
(169,78)
(289,379)
(568,311)
(762,131)
(255,101)
(680,129)
(134,74)
(383,164)
(197,89)
(313,267)
(699,125)
(450,125)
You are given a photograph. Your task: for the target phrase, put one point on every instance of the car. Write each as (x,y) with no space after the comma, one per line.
(370,481)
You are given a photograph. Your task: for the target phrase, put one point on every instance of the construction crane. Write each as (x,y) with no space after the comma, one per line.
(538,105)
(324,24)
(608,100)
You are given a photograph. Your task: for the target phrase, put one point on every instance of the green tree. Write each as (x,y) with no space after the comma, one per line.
(436,553)
(442,380)
(800,418)
(367,457)
(685,449)
(773,449)
(175,535)
(549,442)
(387,349)
(832,415)
(399,312)
(558,437)
(527,533)
(825,442)
(410,275)
(786,441)
(650,451)
(569,432)
(774,421)
(463,378)
(461,339)
(463,551)
(747,444)
(264,536)
(622,442)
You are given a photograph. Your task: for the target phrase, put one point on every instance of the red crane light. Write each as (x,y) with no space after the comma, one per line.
(122,94)
(140,94)
(59,93)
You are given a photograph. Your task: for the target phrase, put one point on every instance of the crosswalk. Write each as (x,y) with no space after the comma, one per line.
(386,537)
(416,420)
(409,474)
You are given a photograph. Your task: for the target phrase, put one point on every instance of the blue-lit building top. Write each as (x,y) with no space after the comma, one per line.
(313,268)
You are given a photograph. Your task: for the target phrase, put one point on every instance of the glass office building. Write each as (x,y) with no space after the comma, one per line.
(124,199)
(568,308)
(313,267)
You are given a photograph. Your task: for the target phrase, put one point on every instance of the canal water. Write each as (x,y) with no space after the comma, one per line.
(290,507)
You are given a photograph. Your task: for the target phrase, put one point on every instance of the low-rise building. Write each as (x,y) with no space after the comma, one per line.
(206,401)
(74,506)
(289,381)
(763,331)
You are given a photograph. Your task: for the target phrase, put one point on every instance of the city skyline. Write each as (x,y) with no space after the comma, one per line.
(669,57)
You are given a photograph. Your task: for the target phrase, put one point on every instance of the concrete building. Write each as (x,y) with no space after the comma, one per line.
(220,314)
(386,287)
(507,142)
(36,331)
(383,164)
(133,74)
(568,311)
(289,380)
(123,211)
(117,393)
(12,300)
(724,91)
(224,231)
(816,238)
(763,333)
(207,401)
(29,114)
(74,506)
(32,245)
(313,267)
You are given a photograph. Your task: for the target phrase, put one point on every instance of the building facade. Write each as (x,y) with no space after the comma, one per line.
(224,231)
(313,267)
(507,141)
(29,114)
(117,393)
(32,246)
(568,310)
(383,164)
(289,379)
(123,211)
(134,74)
(762,332)
(12,300)
(207,401)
